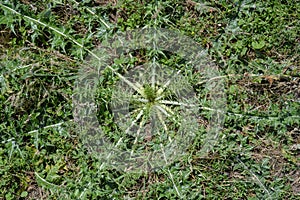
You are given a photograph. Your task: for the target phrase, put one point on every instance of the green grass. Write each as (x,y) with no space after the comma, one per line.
(255,44)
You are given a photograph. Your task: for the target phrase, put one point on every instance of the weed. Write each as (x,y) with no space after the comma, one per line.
(255,44)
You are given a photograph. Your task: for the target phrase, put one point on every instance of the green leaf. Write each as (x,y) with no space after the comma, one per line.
(41,181)
(244,51)
(9,196)
(258,45)
(24,194)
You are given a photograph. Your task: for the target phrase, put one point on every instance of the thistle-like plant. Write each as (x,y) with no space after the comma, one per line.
(155,108)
